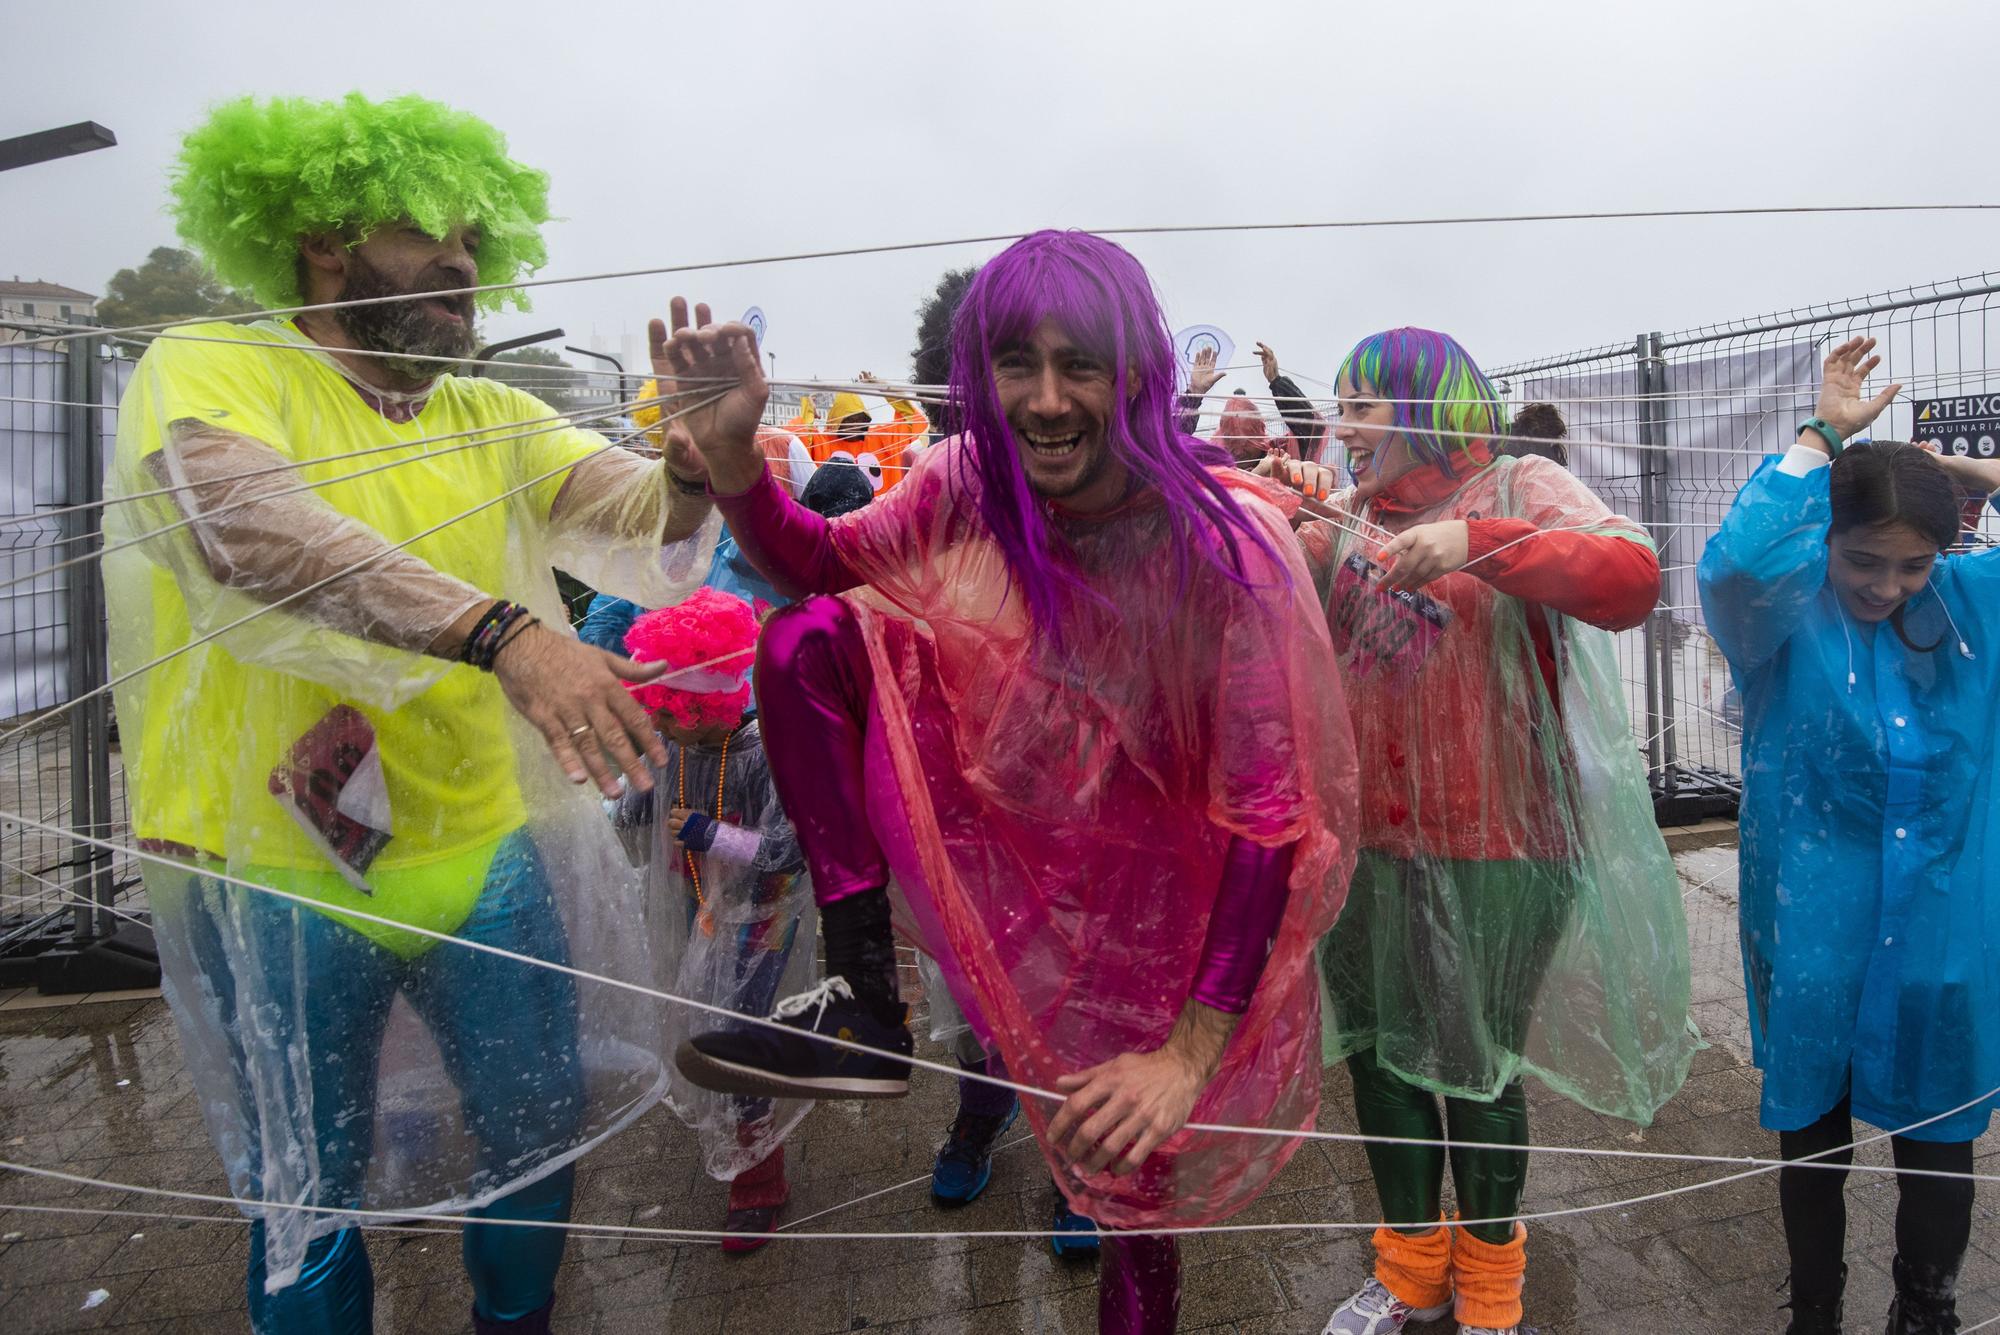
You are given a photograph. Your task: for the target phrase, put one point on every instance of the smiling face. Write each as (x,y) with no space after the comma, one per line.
(399,259)
(1877,569)
(1377,454)
(1058,400)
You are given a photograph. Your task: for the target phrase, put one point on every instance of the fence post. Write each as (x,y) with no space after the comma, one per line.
(1659,519)
(1643,352)
(83,589)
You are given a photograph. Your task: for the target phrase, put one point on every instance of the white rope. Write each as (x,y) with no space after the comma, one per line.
(900,1186)
(520,429)
(1280,1133)
(631,1230)
(370,559)
(1196,229)
(540,426)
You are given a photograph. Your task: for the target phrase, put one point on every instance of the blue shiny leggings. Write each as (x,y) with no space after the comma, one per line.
(507,1033)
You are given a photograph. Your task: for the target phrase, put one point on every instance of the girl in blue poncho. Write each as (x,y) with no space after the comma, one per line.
(1867,659)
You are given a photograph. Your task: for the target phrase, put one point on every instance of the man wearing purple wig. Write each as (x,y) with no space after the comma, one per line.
(1063,691)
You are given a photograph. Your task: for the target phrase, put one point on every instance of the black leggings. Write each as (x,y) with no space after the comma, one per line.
(1933,1214)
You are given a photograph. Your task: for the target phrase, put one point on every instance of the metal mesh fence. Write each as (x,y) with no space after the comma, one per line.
(1667,427)
(58,766)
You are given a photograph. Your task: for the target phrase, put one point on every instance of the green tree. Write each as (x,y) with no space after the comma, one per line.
(171,285)
(543,374)
(930,360)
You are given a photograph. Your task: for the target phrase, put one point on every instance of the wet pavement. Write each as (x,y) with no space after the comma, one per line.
(97,1088)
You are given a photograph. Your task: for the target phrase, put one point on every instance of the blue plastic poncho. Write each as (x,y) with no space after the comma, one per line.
(1868,906)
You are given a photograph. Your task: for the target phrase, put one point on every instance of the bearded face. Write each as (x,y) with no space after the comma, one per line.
(438,325)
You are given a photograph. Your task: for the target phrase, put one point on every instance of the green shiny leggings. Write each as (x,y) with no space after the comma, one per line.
(1410,1178)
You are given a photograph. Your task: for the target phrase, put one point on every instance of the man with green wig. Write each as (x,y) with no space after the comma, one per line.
(357,727)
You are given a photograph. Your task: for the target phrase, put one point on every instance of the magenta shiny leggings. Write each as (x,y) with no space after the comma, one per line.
(1139,1285)
(813,683)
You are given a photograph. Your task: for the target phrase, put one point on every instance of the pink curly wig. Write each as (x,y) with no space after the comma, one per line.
(699,629)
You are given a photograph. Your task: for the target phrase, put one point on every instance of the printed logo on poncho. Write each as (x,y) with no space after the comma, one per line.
(1390,631)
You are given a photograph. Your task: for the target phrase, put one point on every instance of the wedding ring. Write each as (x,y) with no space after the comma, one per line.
(579,731)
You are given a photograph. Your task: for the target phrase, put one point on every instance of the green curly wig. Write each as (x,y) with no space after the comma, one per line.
(258,175)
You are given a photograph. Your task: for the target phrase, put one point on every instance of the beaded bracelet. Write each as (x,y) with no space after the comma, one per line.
(490,632)
(521,627)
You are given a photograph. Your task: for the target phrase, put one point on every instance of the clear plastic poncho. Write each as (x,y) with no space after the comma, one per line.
(736,924)
(345,1064)
(1056,818)
(1514,909)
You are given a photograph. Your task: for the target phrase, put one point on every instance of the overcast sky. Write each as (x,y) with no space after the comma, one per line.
(679,133)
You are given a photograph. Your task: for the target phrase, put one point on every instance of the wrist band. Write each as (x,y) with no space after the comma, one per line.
(698,831)
(497,625)
(1827,433)
(687,488)
(520,628)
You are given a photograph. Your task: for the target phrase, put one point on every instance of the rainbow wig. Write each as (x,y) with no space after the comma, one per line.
(1444,403)
(701,628)
(1101,297)
(257,176)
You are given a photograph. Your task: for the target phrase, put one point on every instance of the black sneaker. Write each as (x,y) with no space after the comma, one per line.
(789,1063)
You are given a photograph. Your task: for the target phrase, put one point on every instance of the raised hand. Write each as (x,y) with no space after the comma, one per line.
(1840,403)
(1270,361)
(1203,375)
(716,380)
(1974,476)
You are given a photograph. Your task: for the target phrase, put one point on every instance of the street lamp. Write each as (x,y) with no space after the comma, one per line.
(47,145)
(486,354)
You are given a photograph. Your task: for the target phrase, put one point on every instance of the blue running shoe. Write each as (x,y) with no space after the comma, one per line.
(1075,1237)
(965,1163)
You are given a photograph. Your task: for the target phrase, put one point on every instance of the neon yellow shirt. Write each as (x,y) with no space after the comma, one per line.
(213,727)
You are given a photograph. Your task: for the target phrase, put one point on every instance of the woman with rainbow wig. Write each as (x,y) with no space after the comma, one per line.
(1513,911)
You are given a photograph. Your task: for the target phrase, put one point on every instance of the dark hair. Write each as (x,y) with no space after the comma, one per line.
(1542,422)
(1891,482)
(835,488)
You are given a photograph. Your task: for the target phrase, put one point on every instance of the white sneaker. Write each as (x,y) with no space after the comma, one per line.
(1376,1311)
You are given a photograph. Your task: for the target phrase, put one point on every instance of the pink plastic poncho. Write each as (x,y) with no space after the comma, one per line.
(1064,814)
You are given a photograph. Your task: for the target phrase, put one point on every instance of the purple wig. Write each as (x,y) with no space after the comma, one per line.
(1100,296)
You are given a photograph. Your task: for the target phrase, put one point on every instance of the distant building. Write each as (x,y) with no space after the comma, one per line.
(42,303)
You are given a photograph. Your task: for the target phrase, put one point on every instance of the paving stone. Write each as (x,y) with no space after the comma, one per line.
(1706,1259)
